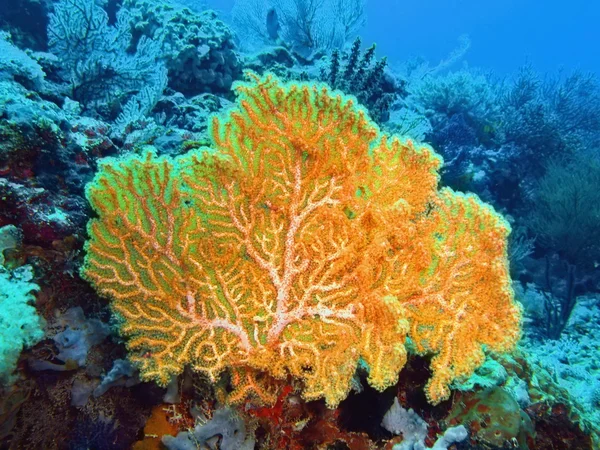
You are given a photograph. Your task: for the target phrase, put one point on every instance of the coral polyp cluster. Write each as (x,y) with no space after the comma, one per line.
(303,243)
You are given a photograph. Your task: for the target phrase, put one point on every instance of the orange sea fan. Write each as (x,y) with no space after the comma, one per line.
(304,242)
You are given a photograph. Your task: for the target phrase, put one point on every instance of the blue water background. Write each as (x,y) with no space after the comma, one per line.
(552,35)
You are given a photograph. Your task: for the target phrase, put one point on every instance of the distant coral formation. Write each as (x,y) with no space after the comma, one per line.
(197,48)
(304,242)
(364,78)
(100,68)
(308,28)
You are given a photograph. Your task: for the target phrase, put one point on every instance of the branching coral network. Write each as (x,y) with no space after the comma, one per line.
(303,243)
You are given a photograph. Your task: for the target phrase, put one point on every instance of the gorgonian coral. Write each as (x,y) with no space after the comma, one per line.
(302,243)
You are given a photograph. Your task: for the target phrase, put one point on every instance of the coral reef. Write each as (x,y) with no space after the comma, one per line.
(226,423)
(19,323)
(16,64)
(414,430)
(197,48)
(292,275)
(100,70)
(566,217)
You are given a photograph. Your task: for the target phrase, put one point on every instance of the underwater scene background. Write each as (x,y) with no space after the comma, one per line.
(242,224)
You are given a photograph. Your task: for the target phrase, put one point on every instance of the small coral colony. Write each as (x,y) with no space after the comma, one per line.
(258,234)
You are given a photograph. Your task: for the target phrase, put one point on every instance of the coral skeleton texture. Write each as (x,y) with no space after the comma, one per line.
(303,243)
